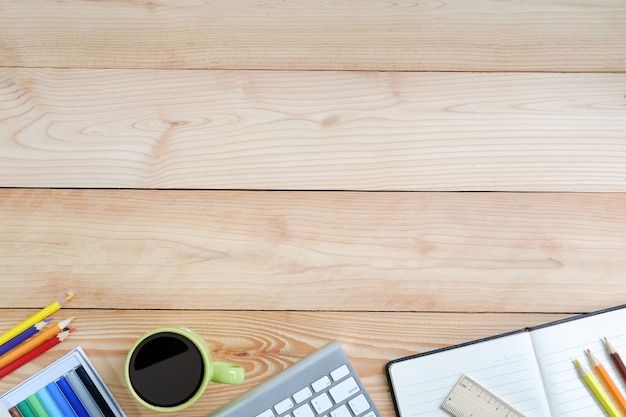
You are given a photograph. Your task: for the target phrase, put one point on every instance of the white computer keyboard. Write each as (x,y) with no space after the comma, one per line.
(323,384)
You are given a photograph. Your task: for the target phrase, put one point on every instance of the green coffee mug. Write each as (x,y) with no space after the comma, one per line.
(169,368)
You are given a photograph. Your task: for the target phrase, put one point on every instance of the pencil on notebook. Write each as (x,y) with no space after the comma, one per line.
(34,319)
(31,344)
(597,390)
(50,343)
(22,337)
(615,357)
(608,382)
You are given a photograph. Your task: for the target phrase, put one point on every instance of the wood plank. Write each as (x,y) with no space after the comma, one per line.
(467,252)
(267,342)
(481,35)
(312,130)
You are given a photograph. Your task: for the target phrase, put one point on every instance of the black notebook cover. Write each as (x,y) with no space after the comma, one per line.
(420,382)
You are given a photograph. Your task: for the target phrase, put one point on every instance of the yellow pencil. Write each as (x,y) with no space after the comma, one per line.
(34,319)
(608,382)
(32,343)
(597,390)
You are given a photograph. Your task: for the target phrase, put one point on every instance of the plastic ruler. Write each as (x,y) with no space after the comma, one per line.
(468,398)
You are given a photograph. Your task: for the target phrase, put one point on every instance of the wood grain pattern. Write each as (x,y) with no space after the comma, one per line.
(312,130)
(267,342)
(272,250)
(437,35)
(271,173)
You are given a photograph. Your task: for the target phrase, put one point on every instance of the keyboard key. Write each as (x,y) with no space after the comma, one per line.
(266,413)
(303,411)
(344,390)
(359,404)
(322,403)
(341,412)
(339,373)
(321,383)
(283,406)
(302,395)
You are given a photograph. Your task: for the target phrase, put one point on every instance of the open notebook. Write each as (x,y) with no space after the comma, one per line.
(532,369)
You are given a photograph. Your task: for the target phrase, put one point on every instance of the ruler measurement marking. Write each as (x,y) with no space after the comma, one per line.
(468,398)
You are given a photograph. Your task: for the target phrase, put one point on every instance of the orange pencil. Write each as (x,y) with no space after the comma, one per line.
(35,318)
(608,382)
(31,344)
(35,352)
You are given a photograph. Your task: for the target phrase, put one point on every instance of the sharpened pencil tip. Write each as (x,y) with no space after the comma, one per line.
(609,346)
(63,324)
(67,297)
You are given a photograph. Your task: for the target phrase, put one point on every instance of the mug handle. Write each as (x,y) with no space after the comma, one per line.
(227,373)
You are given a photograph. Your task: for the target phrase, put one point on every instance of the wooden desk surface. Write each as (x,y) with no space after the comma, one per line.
(401,176)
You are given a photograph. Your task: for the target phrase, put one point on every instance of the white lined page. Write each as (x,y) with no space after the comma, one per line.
(504,365)
(558,346)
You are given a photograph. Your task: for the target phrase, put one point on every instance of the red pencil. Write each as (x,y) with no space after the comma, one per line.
(35,352)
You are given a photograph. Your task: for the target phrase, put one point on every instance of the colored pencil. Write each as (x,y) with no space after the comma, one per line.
(597,390)
(22,337)
(608,382)
(50,343)
(26,347)
(615,357)
(34,319)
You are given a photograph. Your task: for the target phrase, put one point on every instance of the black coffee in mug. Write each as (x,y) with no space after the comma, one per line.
(169,368)
(166,369)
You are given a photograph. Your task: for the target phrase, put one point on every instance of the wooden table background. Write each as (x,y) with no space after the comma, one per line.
(399,175)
